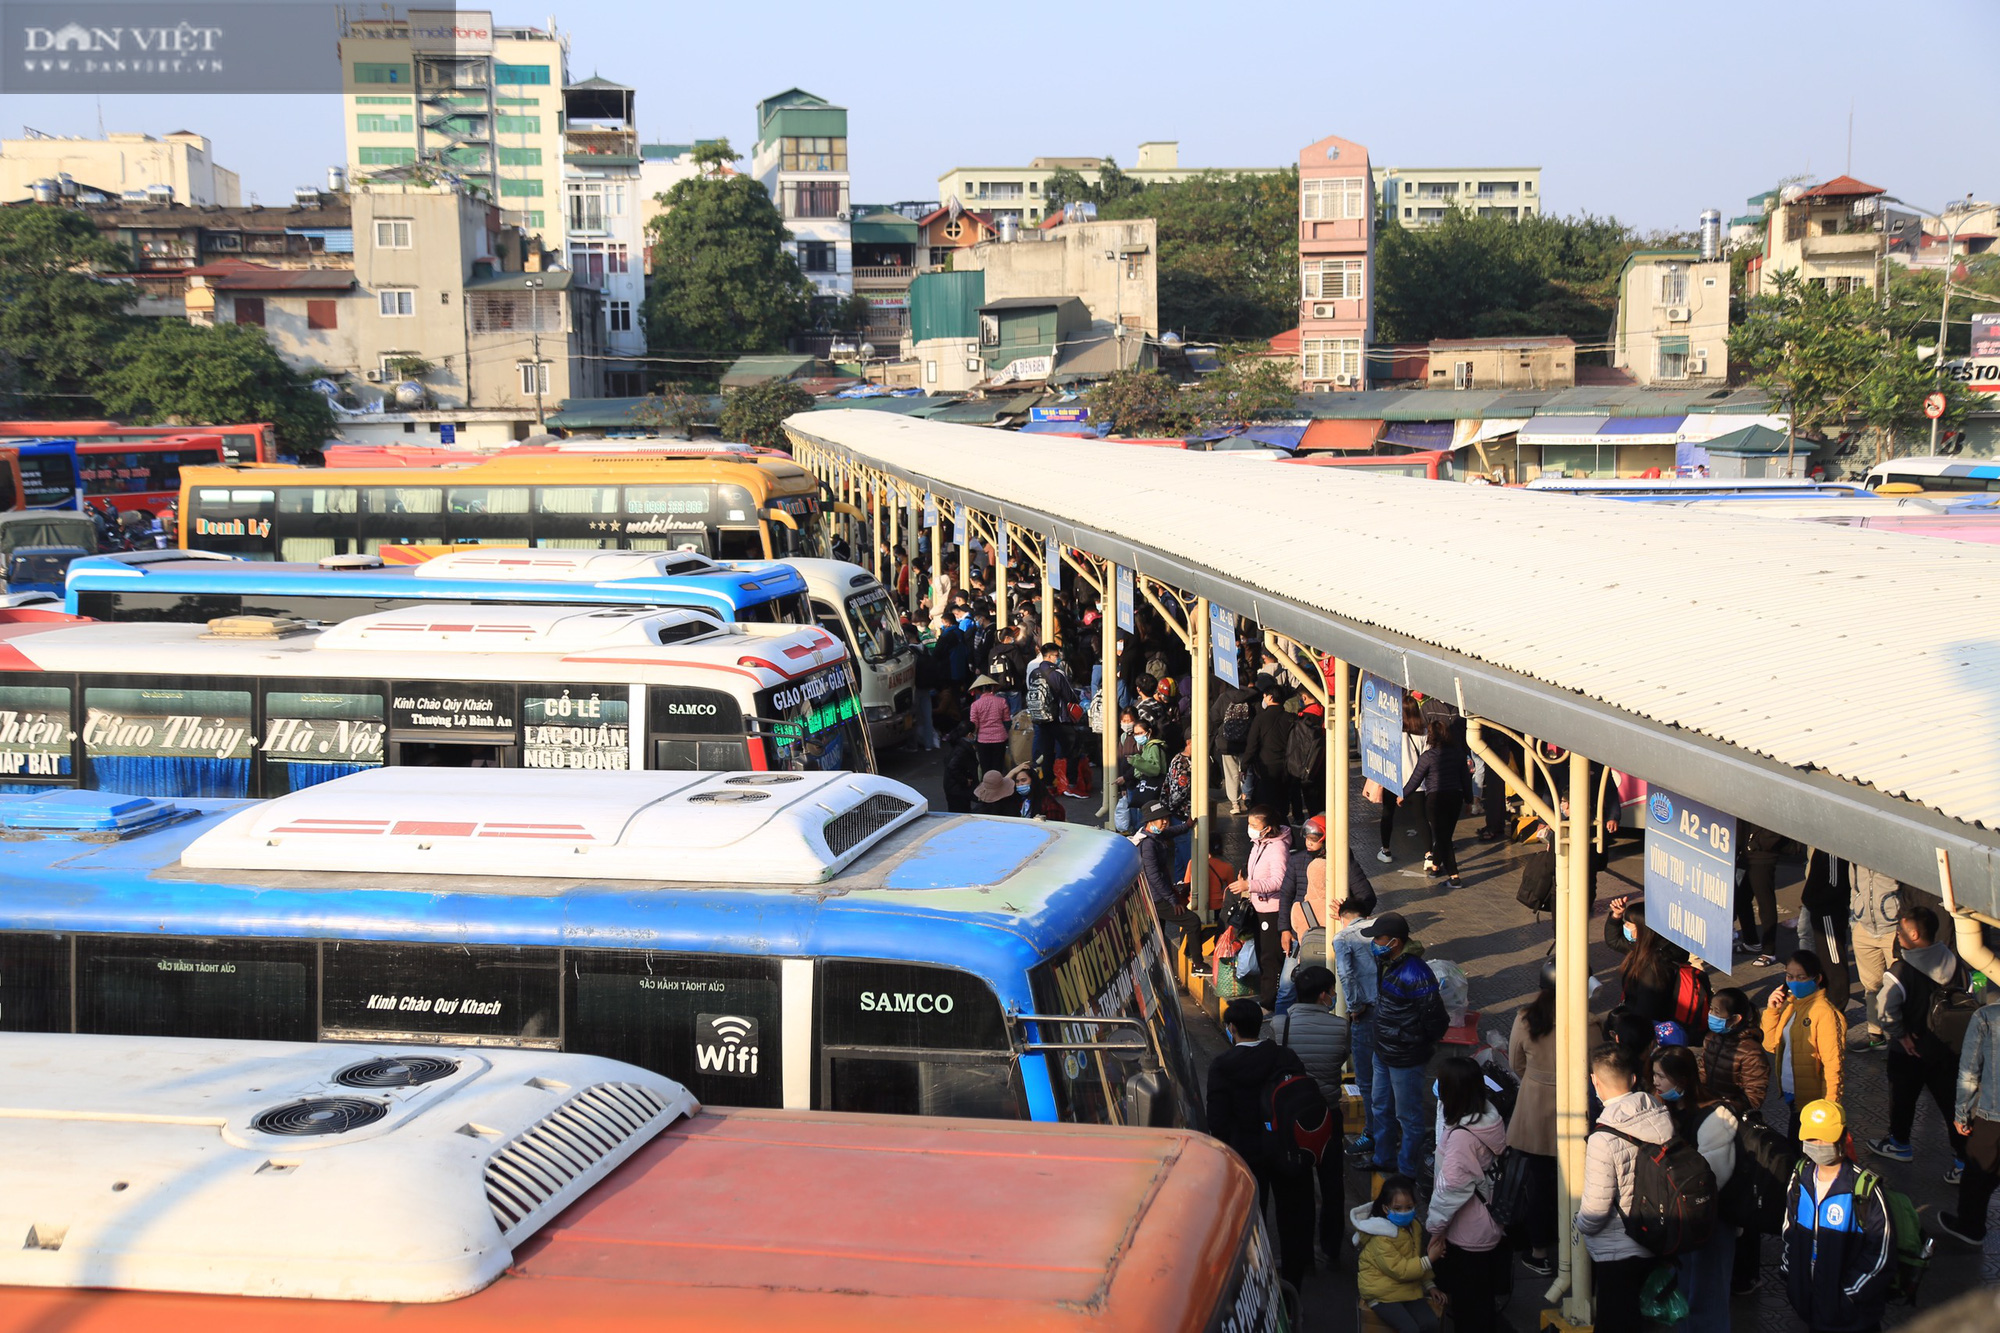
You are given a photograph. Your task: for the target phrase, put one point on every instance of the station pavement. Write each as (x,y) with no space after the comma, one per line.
(1500,945)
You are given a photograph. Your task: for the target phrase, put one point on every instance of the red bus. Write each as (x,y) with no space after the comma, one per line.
(251,442)
(1433,464)
(129,472)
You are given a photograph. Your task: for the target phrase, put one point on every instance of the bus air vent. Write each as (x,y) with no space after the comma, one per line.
(848,831)
(402,1071)
(763,779)
(255,627)
(727,797)
(536,1167)
(88,815)
(319,1115)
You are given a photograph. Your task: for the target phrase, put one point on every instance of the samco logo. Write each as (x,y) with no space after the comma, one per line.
(1660,808)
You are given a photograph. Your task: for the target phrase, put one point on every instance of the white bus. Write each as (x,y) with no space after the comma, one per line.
(852,603)
(257,705)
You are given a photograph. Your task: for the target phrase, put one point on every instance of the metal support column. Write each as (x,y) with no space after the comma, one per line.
(937,555)
(1051,569)
(1107,698)
(1573,1038)
(1200,802)
(1000,589)
(1338,743)
(964,557)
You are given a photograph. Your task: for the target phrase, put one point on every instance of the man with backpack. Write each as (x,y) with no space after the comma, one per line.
(1253,1091)
(1264,749)
(1925,1002)
(1050,696)
(1622,1184)
(1305,761)
(1321,1037)
(1410,1020)
(1229,719)
(1838,1257)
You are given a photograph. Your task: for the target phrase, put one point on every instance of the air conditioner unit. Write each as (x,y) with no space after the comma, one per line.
(1343,381)
(1698,364)
(374,377)
(840,217)
(1677,314)
(1323,312)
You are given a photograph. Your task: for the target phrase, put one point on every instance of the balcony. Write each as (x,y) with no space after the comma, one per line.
(600,146)
(1498,195)
(884,272)
(1843,243)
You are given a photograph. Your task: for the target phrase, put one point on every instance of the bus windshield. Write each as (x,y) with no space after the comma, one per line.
(877,636)
(816,721)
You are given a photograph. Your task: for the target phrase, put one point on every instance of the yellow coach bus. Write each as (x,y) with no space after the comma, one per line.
(724,500)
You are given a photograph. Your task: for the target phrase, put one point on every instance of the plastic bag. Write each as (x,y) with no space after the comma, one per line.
(1121,814)
(1661,1299)
(1452,986)
(1246,963)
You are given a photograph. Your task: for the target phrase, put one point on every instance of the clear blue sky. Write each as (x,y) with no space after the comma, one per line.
(1630,110)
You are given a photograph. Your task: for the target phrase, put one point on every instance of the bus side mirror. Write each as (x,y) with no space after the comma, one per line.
(1149,1100)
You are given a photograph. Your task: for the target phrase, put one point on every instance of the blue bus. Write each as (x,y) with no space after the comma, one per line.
(194,587)
(50,478)
(804,940)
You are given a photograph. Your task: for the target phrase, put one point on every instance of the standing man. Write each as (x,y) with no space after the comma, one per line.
(1409,1022)
(1877,908)
(1264,751)
(1229,719)
(1356,976)
(1976,1115)
(1610,1165)
(1236,1083)
(1156,865)
(1837,1249)
(1321,1038)
(1919,1061)
(1049,698)
(1828,891)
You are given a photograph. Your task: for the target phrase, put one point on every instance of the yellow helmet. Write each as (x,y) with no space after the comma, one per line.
(1822,1122)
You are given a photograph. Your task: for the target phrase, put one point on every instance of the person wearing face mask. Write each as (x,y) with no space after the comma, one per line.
(1465,1241)
(1148,764)
(1156,866)
(1263,884)
(1807,1036)
(1410,1020)
(1838,1253)
(1733,1062)
(1701,1118)
(1659,981)
(1392,1271)
(1620,1264)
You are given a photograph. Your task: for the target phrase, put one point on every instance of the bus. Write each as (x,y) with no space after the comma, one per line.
(732,506)
(143,474)
(845,600)
(1935,472)
(1432,464)
(1693,488)
(868,956)
(510,1189)
(250,442)
(251,705)
(48,474)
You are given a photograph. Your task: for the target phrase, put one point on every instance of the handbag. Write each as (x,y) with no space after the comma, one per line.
(1246,963)
(1371,791)
(1511,1188)
(1239,915)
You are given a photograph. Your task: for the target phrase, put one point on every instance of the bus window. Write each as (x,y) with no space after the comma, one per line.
(829,620)
(154,741)
(48,479)
(686,755)
(445,724)
(251,989)
(579,518)
(494,994)
(815,722)
(1116,969)
(713,1023)
(666,518)
(314,522)
(34,729)
(587,726)
(232,520)
(487,514)
(314,736)
(739,544)
(911,1039)
(878,635)
(690,729)
(34,983)
(401,516)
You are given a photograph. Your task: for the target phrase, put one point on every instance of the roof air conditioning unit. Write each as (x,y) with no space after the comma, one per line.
(1323,312)
(1677,314)
(374,377)
(841,217)
(1343,380)
(1698,364)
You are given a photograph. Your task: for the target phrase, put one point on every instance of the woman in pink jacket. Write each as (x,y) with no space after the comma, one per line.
(990,718)
(1465,1249)
(1263,883)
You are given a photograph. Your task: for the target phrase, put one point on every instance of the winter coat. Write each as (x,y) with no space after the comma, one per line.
(1838,1253)
(1817,1036)
(1236,1080)
(1876,904)
(1409,1015)
(1736,1067)
(1356,974)
(1440,770)
(1456,1208)
(1266,870)
(1532,1127)
(990,716)
(1829,886)
(1979,1069)
(1264,751)
(1392,1266)
(1648,994)
(1298,872)
(961,766)
(1907,990)
(1320,1037)
(1156,867)
(1220,707)
(1714,1137)
(1609,1164)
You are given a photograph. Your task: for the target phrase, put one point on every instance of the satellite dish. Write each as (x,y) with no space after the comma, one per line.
(867,351)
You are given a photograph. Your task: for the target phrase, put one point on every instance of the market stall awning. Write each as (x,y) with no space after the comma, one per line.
(1642,430)
(1356,436)
(1563,430)
(1418,434)
(1473,430)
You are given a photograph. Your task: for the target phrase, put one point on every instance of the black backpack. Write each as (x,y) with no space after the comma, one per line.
(1236,726)
(1298,1124)
(1754,1198)
(1949,1010)
(1304,747)
(1673,1197)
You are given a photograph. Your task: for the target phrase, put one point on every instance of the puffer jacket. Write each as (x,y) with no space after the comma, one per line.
(1321,1038)
(1410,1018)
(1609,1164)
(1456,1208)
(1736,1067)
(1392,1266)
(1817,1036)
(1266,870)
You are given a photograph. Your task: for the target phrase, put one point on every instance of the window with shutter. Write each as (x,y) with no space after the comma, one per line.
(250,310)
(322,314)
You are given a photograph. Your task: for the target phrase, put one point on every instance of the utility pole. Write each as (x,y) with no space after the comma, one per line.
(1944,305)
(534,286)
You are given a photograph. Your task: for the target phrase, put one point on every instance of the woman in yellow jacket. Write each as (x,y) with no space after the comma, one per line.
(1393,1275)
(1807,1034)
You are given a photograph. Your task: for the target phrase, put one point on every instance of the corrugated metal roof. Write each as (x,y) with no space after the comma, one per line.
(1869,656)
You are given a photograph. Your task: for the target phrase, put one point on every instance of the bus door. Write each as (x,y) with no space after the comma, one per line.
(912,1039)
(445,724)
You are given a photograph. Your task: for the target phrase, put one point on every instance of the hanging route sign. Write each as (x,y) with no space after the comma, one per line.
(1690,874)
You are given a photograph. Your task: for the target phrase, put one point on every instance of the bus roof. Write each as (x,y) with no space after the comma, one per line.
(730,1220)
(241,1168)
(487,574)
(608,465)
(434,641)
(1021,889)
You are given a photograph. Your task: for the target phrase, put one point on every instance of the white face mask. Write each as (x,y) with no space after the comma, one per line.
(1822,1154)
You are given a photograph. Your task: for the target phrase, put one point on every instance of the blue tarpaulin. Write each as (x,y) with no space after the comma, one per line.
(1418,434)
(1271,436)
(1096,430)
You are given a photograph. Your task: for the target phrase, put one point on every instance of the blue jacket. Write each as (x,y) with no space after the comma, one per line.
(1354,971)
(1409,1014)
(1979,1069)
(1839,1254)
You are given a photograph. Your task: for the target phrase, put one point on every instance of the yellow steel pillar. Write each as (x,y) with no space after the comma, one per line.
(1573,1037)
(875,524)
(936,517)
(993,544)
(1340,736)
(1107,698)
(1200,802)
(964,554)
(893,501)
(1051,571)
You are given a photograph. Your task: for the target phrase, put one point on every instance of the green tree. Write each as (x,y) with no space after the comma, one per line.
(170,371)
(59,318)
(712,155)
(1248,388)
(1229,258)
(1068,186)
(724,280)
(756,415)
(1142,402)
(671,411)
(1841,361)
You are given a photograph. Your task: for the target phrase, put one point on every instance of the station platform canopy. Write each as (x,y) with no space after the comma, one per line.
(1838,685)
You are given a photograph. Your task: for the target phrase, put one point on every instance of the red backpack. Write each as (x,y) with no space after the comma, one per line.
(1691,997)
(1298,1124)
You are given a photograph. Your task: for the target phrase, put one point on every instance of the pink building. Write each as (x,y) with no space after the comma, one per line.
(1336,265)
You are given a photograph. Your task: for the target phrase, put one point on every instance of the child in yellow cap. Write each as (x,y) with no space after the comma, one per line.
(1838,1258)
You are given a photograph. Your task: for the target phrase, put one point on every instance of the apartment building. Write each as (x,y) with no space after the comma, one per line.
(173,168)
(801,161)
(1336,265)
(602,219)
(1421,196)
(1111,267)
(1829,234)
(1673,319)
(453,92)
(1528,362)
(1022,192)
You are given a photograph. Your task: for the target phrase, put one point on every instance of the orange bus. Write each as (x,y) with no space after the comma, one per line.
(248,442)
(448,1189)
